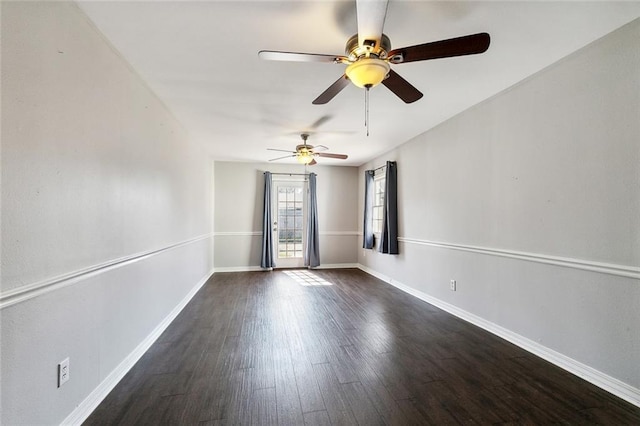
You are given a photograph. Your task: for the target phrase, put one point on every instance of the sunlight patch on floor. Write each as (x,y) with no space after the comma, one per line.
(306,278)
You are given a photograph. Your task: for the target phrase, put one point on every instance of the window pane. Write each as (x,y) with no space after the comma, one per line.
(377,212)
(290,220)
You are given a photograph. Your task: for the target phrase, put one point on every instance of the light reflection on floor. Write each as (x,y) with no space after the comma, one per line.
(306,278)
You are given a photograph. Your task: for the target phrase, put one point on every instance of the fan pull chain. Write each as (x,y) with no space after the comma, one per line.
(366,109)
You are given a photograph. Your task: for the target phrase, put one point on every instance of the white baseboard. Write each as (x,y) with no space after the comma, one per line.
(337,266)
(258,268)
(598,378)
(239,269)
(86,407)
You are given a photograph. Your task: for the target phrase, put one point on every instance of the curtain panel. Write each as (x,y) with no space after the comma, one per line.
(367,227)
(389,235)
(267,260)
(312,250)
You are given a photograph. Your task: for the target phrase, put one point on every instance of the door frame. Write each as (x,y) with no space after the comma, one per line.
(288,181)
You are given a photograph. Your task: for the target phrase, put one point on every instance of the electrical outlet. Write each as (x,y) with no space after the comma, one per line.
(452,285)
(63,372)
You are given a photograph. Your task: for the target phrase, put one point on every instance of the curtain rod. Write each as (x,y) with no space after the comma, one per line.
(292,174)
(381,167)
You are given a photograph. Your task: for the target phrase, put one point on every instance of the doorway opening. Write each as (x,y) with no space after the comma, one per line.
(289,228)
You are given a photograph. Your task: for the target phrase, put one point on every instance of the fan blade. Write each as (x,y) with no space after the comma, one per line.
(371,15)
(401,87)
(332,91)
(280,158)
(466,45)
(329,155)
(313,162)
(320,147)
(281,150)
(273,55)
(320,121)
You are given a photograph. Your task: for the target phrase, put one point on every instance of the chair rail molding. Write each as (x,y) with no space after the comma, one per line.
(29,291)
(586,265)
(259,233)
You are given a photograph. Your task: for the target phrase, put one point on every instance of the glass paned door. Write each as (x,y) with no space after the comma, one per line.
(289,225)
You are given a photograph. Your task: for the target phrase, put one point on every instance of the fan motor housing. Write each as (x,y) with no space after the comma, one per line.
(354,51)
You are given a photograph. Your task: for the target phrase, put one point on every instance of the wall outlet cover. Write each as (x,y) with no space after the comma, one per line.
(63,372)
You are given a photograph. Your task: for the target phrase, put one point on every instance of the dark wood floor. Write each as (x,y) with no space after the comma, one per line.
(262,348)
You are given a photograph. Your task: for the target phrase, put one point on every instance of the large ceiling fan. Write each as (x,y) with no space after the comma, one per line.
(305,153)
(369,55)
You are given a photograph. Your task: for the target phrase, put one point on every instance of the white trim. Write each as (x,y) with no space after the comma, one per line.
(258,268)
(91,402)
(26,292)
(259,233)
(586,265)
(339,233)
(238,234)
(240,269)
(375,273)
(598,378)
(337,266)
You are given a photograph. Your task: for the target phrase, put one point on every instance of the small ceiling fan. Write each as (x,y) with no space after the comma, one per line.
(369,55)
(305,153)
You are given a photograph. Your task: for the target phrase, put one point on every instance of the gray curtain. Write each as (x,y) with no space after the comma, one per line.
(367,229)
(312,251)
(389,235)
(267,260)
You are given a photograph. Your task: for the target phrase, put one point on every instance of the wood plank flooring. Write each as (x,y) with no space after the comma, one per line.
(343,348)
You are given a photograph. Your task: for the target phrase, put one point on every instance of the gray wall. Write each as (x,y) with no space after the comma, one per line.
(531,201)
(238,213)
(96,174)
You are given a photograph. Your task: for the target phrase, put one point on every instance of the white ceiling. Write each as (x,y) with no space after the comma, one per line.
(201,59)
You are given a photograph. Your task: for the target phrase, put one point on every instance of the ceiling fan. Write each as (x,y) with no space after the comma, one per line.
(369,55)
(305,153)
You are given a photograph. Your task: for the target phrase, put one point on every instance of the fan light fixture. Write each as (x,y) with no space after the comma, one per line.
(367,72)
(304,156)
